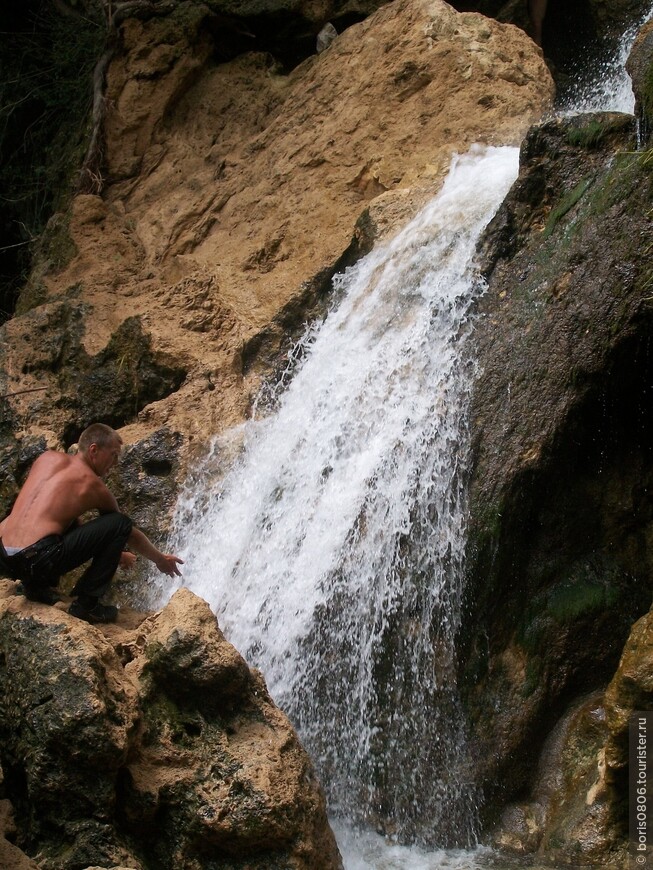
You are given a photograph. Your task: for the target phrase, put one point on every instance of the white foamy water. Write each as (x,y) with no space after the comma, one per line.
(332,550)
(362,851)
(609,89)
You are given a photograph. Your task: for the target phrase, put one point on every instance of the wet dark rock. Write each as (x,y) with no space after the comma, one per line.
(561,489)
(570,818)
(288,29)
(67,388)
(115,384)
(578,812)
(640,69)
(147,479)
(64,734)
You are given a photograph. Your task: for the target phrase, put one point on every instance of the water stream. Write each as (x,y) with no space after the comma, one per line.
(331,549)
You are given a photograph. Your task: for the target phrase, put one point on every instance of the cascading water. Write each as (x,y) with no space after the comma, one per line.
(332,551)
(332,548)
(609,87)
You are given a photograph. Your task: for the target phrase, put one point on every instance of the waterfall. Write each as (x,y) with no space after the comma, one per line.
(608,89)
(331,546)
(332,549)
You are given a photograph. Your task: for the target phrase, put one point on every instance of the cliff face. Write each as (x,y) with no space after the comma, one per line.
(233,191)
(232,194)
(149,743)
(560,536)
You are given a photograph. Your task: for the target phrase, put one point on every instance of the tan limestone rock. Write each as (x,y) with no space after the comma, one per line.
(114,728)
(234,190)
(11,857)
(630,690)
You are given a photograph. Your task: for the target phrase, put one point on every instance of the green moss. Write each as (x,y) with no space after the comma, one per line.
(532,632)
(625,174)
(60,245)
(33,294)
(55,250)
(566,204)
(590,135)
(588,589)
(572,600)
(162,717)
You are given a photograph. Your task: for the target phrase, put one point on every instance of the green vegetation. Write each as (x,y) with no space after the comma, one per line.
(590,135)
(566,204)
(571,600)
(46,78)
(587,590)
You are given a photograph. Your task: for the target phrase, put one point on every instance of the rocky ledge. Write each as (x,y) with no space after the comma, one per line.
(149,743)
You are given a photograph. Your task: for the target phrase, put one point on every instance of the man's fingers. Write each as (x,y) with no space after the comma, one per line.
(171,568)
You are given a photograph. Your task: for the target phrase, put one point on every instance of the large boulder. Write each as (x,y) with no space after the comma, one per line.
(148,743)
(232,192)
(560,532)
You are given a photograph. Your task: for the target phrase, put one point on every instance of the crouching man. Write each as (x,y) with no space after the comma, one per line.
(42,538)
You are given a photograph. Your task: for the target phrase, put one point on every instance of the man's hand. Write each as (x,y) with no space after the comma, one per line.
(168,565)
(127,560)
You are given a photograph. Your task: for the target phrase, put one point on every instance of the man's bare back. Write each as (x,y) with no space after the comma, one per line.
(58,490)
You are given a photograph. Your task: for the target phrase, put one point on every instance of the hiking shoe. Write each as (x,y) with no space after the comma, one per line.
(43,594)
(95,613)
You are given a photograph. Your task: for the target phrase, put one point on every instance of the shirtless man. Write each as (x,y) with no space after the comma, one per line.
(41,538)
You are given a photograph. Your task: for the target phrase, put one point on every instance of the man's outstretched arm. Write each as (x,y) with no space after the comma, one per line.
(167,564)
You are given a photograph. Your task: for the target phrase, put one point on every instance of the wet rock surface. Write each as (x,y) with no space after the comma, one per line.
(560,494)
(639,65)
(149,743)
(233,191)
(578,813)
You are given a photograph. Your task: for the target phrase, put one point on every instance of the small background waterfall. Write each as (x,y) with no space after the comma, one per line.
(331,547)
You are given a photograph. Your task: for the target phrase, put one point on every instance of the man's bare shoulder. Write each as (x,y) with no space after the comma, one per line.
(52,462)
(69,483)
(63,472)
(52,456)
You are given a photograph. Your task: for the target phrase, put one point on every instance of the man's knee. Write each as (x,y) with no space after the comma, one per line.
(126,524)
(112,526)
